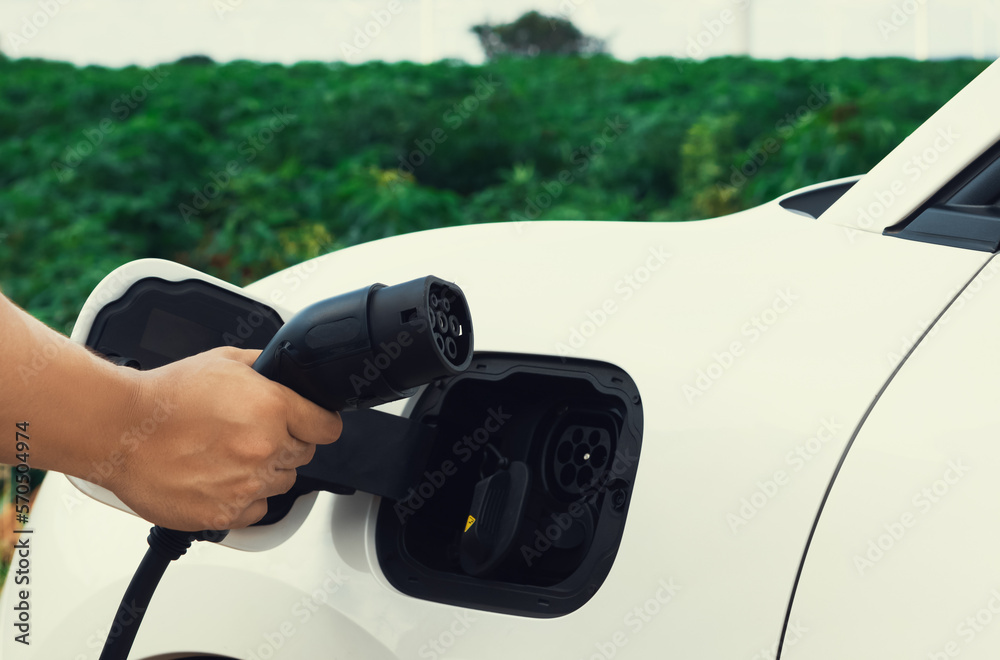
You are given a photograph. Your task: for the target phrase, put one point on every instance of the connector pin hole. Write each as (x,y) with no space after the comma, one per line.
(564,452)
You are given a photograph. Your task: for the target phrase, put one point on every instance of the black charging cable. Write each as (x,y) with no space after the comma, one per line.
(165,545)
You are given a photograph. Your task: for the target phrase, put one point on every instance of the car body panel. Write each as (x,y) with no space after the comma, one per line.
(904,559)
(814,313)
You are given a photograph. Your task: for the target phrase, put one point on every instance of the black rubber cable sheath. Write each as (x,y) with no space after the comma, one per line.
(165,545)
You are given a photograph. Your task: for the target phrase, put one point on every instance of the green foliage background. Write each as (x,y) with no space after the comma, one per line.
(331,178)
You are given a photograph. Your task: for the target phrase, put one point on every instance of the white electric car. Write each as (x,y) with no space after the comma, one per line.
(773,432)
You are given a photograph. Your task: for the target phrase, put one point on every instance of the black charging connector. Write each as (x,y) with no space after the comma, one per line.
(351,352)
(372,346)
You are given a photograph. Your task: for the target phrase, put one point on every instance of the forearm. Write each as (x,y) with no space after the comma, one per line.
(77,404)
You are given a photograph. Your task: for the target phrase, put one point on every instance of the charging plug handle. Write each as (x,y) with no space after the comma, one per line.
(358,350)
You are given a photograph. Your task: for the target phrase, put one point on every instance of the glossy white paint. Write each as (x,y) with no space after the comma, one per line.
(904,561)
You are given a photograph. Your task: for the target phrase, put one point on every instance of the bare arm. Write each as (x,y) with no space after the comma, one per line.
(197,444)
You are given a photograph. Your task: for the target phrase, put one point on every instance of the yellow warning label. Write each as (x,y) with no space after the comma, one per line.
(468,523)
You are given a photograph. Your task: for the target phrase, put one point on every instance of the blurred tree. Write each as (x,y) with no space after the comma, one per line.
(196,60)
(534,33)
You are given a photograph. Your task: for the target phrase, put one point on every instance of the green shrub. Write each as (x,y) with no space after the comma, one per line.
(242,169)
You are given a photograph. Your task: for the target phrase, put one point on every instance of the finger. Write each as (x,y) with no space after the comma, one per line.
(309,422)
(279,481)
(252,514)
(296,454)
(245,355)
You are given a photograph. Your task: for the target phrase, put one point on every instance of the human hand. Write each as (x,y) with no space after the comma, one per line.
(207,440)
